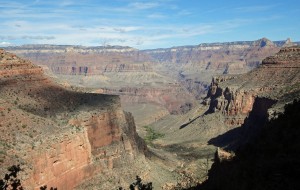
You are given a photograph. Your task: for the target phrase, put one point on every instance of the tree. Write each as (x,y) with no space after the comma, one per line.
(10,180)
(139,185)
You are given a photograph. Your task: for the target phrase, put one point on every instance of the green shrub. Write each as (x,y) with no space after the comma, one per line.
(152,135)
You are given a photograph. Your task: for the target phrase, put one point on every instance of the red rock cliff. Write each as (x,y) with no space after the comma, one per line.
(60,137)
(234,96)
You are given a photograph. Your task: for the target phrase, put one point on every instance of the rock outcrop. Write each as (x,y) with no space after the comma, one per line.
(288,56)
(60,137)
(236,96)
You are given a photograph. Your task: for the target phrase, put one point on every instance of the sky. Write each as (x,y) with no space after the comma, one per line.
(146,24)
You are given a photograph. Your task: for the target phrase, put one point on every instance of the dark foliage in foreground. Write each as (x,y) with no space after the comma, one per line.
(45,188)
(10,180)
(138,184)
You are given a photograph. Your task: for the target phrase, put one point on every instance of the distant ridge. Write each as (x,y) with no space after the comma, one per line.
(279,43)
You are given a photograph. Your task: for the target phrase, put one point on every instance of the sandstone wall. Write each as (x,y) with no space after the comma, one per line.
(235,96)
(101,142)
(60,137)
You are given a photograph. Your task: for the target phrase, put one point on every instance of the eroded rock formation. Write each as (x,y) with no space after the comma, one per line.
(235,96)
(60,137)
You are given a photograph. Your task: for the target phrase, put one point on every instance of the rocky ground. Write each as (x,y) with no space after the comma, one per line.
(61,137)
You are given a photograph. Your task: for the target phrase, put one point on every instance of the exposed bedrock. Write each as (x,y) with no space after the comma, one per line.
(235,96)
(60,137)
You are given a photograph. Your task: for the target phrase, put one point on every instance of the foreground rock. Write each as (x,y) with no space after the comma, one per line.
(60,137)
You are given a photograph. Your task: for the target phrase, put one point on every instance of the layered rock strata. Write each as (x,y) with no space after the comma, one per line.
(60,137)
(236,96)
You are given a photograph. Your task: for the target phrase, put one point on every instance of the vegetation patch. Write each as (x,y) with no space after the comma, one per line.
(152,135)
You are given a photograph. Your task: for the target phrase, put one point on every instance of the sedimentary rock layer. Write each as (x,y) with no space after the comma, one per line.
(235,96)
(58,136)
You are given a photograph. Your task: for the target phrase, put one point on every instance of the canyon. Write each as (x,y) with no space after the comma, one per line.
(58,136)
(179,76)
(64,121)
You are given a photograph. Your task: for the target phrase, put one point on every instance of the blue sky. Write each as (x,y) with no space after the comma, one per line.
(146,24)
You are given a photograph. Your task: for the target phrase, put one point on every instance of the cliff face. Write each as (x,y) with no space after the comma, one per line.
(235,96)
(228,57)
(102,142)
(60,137)
(271,161)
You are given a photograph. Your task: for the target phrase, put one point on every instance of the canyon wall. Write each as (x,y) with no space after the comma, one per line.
(237,95)
(112,70)
(174,98)
(60,137)
(194,66)
(94,144)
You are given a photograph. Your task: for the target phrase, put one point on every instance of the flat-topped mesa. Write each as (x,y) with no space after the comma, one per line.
(44,48)
(287,55)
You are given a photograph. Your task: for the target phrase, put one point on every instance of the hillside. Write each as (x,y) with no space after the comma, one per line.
(62,137)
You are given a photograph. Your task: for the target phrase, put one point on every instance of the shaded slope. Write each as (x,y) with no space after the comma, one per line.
(270,162)
(61,137)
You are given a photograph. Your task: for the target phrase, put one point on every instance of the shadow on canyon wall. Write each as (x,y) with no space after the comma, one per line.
(271,160)
(252,126)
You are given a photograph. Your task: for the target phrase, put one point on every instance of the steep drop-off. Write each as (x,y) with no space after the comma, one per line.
(60,137)
(275,81)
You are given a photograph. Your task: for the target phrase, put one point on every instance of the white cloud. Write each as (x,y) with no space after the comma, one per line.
(5,44)
(141,35)
(130,23)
